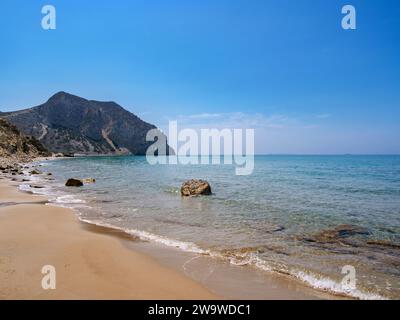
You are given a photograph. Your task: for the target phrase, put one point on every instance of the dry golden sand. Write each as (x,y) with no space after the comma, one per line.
(89,265)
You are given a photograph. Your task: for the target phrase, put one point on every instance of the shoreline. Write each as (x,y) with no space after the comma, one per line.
(89,265)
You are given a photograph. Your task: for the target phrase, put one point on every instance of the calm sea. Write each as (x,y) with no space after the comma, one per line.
(304,216)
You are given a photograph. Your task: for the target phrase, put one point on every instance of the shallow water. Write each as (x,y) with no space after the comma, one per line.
(282,218)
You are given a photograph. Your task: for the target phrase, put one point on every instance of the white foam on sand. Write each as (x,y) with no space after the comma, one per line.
(68,199)
(182,245)
(25,188)
(147,236)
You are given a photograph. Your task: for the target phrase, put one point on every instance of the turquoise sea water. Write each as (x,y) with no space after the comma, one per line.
(279,219)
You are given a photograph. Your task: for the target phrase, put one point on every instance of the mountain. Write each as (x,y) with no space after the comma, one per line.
(73,125)
(14,144)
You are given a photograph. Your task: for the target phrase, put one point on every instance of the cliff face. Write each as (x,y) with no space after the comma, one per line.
(15,145)
(71,125)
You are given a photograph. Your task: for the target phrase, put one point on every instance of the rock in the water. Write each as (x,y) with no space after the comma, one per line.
(35,172)
(195,188)
(74,183)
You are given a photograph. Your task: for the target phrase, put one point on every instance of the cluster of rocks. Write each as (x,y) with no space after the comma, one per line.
(10,167)
(17,150)
(16,170)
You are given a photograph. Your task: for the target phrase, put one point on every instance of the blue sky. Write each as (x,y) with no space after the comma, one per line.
(285,67)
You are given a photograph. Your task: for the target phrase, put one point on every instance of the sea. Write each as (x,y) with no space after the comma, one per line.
(329,222)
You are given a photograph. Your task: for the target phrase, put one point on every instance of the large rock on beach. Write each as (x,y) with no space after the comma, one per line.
(195,188)
(74,183)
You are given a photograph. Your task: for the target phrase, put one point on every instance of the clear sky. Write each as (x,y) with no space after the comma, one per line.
(285,68)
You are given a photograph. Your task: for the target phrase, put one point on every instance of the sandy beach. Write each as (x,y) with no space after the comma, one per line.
(89,265)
